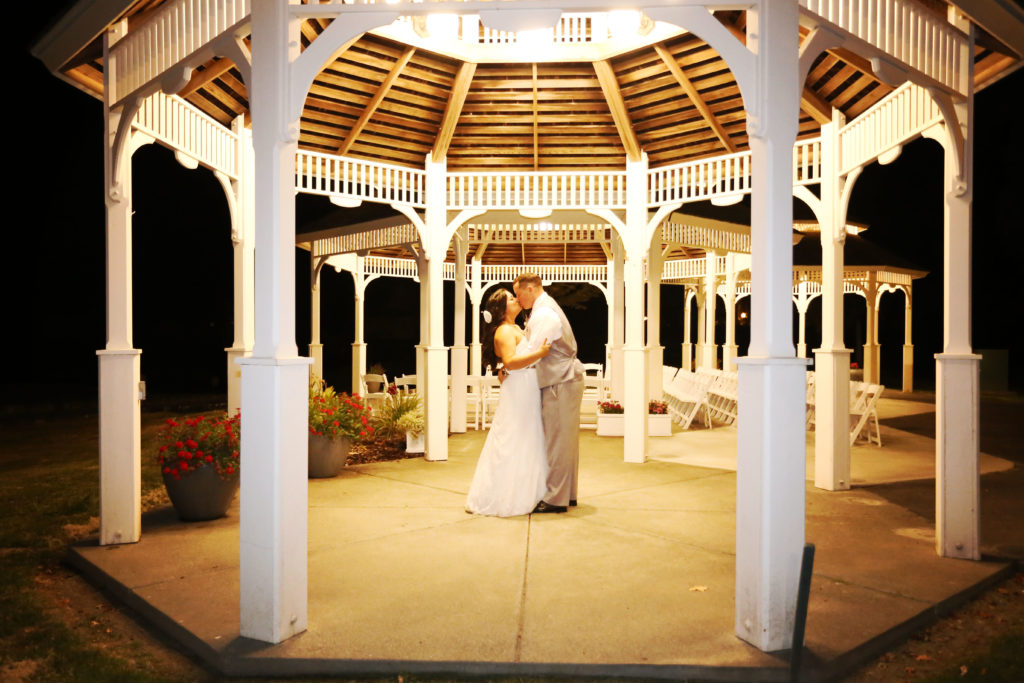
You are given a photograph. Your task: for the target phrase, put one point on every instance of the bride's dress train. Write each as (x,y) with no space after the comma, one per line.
(512,472)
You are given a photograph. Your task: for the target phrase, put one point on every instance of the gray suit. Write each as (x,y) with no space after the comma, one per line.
(560,377)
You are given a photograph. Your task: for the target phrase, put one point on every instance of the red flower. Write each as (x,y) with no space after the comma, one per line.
(209,458)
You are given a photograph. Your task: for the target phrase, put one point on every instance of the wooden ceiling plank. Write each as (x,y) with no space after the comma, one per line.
(695,97)
(819,109)
(536,151)
(453,110)
(610,87)
(378,97)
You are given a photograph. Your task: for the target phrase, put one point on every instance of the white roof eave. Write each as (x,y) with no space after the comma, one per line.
(76,29)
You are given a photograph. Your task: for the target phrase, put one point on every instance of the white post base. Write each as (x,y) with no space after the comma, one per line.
(358,366)
(729,354)
(617,370)
(957,446)
(474,359)
(460,356)
(120,447)
(871,370)
(687,363)
(908,367)
(435,401)
(769,498)
(316,354)
(655,361)
(832,419)
(235,378)
(274,498)
(634,400)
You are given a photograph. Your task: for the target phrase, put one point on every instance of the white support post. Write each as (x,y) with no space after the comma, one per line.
(957,372)
(243,256)
(435,355)
(832,360)
(709,351)
(316,349)
(359,314)
(701,297)
(634,357)
(688,297)
(120,436)
(908,345)
(475,295)
(424,321)
(459,352)
(618,312)
(274,498)
(871,336)
(730,349)
(655,351)
(801,310)
(770,426)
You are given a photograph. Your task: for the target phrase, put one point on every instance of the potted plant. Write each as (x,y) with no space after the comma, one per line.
(611,419)
(659,422)
(335,421)
(200,462)
(401,415)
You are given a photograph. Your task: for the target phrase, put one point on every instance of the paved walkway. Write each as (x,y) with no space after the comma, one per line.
(636,581)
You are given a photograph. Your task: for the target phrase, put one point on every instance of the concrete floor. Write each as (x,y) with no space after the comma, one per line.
(636,581)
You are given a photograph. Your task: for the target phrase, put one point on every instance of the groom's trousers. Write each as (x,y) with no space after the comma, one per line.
(560,412)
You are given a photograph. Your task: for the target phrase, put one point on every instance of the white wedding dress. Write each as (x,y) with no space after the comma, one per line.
(511,475)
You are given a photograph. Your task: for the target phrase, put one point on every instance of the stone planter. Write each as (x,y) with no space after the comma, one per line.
(611,424)
(327,456)
(202,494)
(414,444)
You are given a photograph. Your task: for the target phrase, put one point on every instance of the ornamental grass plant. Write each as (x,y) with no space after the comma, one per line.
(335,415)
(399,414)
(193,443)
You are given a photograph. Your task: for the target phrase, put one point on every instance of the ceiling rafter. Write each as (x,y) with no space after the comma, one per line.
(819,109)
(453,110)
(695,97)
(617,106)
(375,102)
(536,145)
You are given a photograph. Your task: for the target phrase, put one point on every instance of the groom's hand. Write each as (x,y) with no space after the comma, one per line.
(502,375)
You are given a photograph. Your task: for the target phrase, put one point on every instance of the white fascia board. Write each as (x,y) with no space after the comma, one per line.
(76,29)
(1004,19)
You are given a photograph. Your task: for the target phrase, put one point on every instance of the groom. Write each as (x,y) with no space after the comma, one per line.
(560,376)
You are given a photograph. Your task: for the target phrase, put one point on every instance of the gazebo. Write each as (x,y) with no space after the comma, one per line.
(449,111)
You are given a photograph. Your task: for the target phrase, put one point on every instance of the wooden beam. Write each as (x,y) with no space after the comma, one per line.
(536,150)
(617,106)
(818,108)
(695,97)
(378,97)
(213,71)
(453,110)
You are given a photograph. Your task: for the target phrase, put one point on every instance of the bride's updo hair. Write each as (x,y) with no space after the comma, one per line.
(496,304)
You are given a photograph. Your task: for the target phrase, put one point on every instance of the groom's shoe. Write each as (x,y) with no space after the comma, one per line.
(572,503)
(548,507)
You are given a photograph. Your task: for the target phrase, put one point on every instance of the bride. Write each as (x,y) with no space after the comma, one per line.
(512,471)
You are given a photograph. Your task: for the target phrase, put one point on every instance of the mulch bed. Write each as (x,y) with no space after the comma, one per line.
(378,451)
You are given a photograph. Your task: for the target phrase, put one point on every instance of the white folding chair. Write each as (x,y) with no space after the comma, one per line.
(406,384)
(490,389)
(379,392)
(863,412)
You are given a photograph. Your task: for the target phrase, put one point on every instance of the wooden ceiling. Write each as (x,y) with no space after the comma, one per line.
(675,99)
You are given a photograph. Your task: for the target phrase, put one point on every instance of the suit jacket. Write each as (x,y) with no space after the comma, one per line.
(561,364)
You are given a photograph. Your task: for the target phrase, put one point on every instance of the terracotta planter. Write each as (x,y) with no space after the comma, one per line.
(202,494)
(414,444)
(327,456)
(613,424)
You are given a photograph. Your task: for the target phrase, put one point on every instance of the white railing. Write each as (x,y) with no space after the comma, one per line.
(705,237)
(174,33)
(182,127)
(572,27)
(330,175)
(907,31)
(547,273)
(893,120)
(538,233)
(543,189)
(684,269)
(807,162)
(698,180)
(368,239)
(391,267)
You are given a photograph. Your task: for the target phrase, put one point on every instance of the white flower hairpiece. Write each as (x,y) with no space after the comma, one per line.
(487,317)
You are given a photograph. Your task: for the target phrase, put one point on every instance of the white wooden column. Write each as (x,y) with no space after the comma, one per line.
(242,217)
(701,298)
(475,295)
(688,298)
(832,360)
(459,352)
(316,349)
(770,426)
(423,275)
(120,433)
(957,372)
(435,355)
(908,345)
(802,302)
(655,351)
(273,526)
(729,349)
(709,351)
(359,282)
(871,334)
(634,357)
(618,313)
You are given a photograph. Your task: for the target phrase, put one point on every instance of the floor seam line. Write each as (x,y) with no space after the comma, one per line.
(522,595)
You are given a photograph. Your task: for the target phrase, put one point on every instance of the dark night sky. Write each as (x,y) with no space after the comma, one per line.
(53,277)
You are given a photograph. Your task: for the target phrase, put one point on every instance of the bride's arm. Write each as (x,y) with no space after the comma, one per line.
(505,347)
